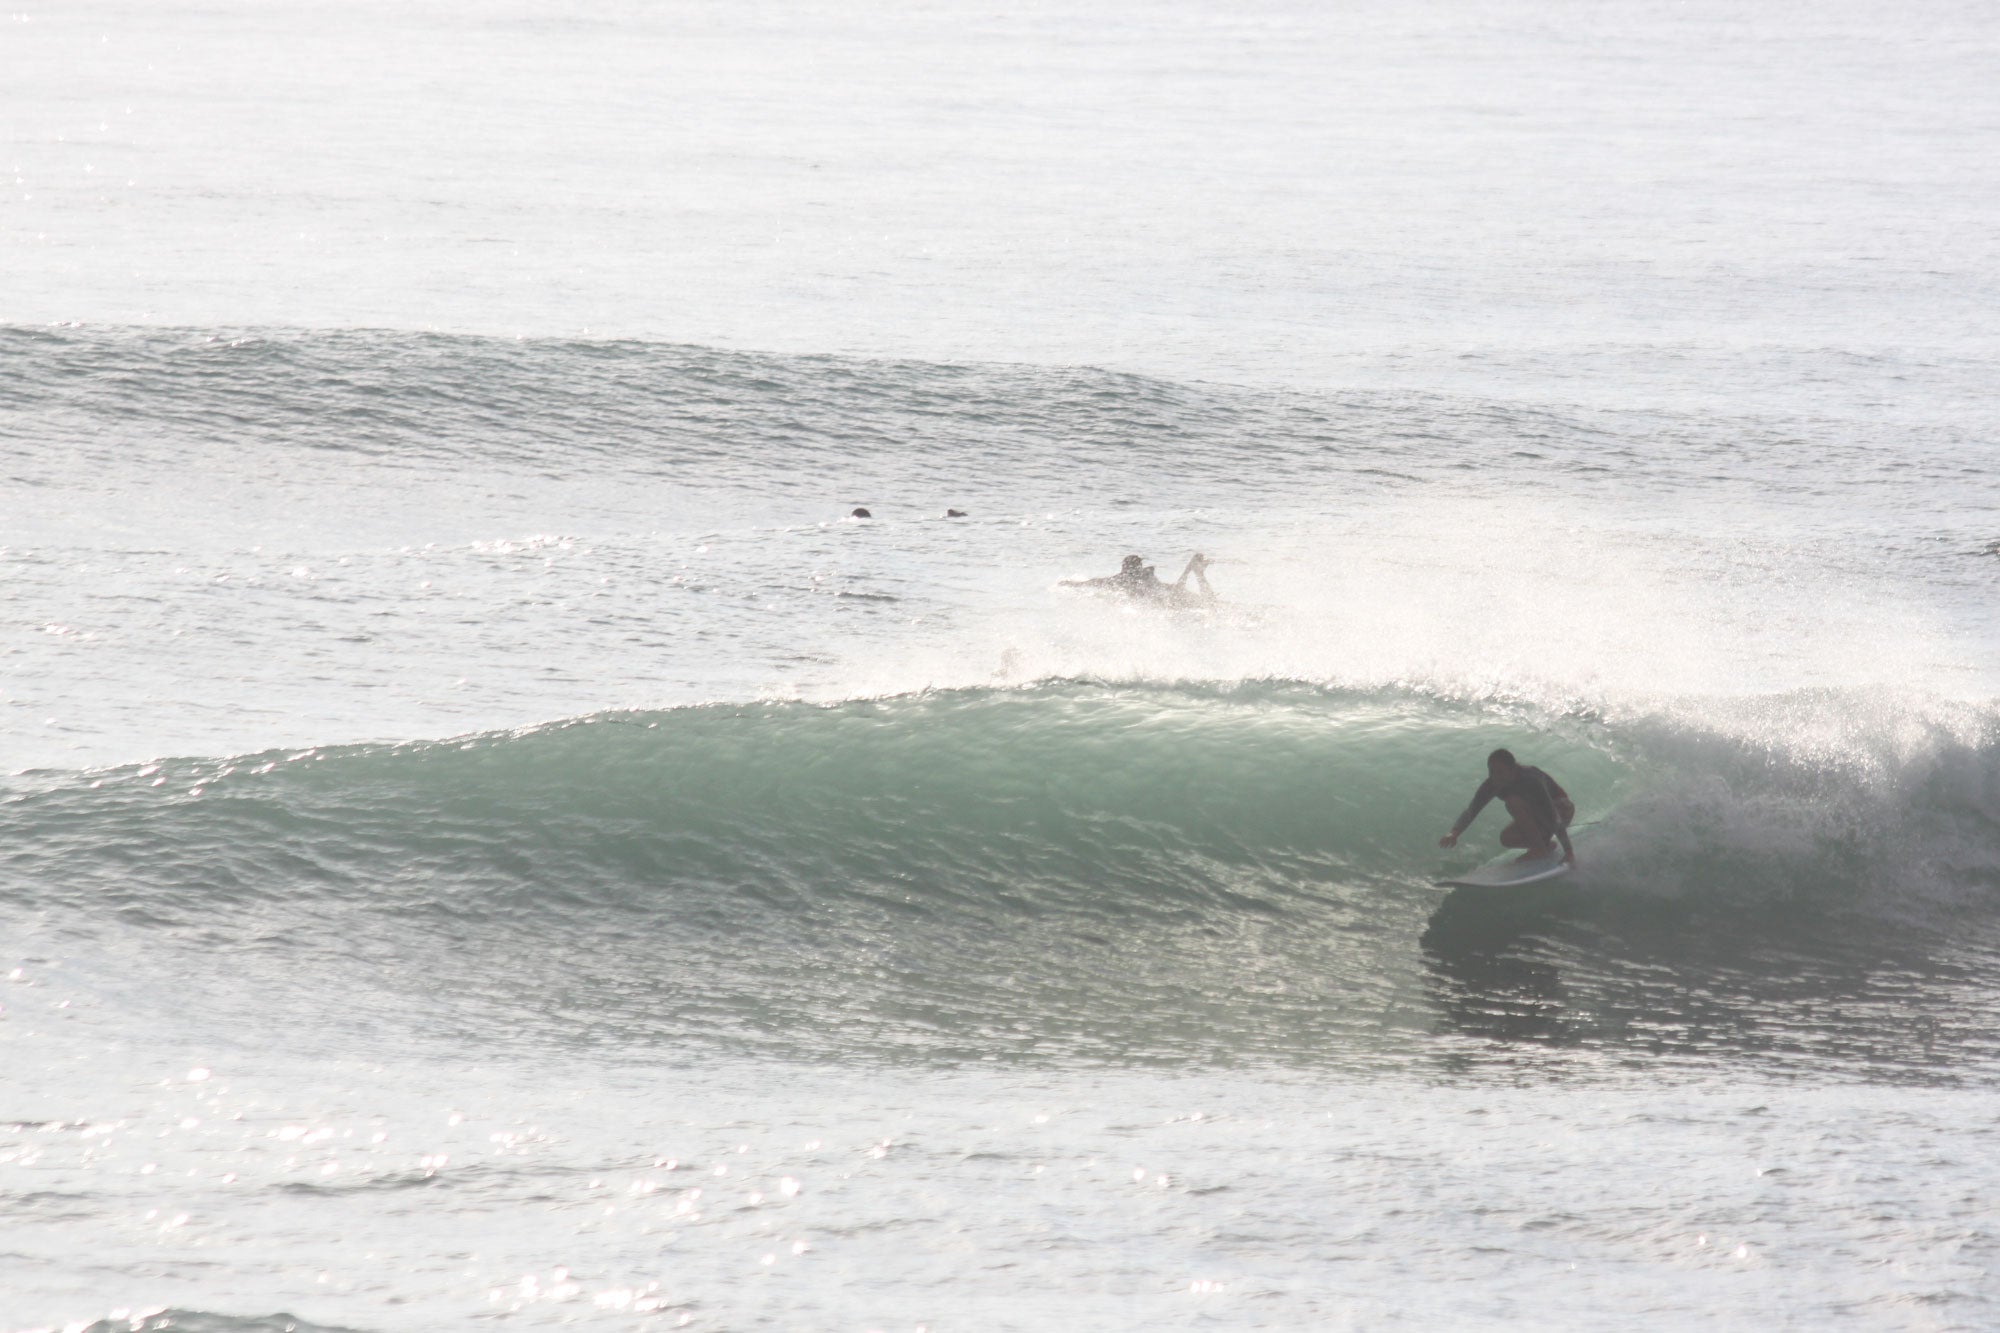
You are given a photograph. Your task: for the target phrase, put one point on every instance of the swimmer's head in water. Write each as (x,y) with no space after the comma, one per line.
(1133,564)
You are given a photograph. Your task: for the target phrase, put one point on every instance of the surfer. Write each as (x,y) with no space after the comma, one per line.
(1540,808)
(1137,580)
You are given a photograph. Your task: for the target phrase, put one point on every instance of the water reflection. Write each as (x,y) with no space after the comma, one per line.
(1821,992)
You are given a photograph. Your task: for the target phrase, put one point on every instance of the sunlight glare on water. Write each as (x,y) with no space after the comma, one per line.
(491,834)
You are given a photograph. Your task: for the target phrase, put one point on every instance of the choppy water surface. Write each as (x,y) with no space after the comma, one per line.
(486,837)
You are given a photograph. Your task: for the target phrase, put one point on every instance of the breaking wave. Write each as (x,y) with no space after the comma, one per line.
(1136,870)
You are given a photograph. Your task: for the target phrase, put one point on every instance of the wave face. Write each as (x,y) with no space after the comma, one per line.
(1127,872)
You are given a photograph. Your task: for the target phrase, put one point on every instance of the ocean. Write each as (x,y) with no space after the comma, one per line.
(489,839)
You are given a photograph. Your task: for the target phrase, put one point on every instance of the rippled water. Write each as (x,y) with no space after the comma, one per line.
(645,1197)
(487,836)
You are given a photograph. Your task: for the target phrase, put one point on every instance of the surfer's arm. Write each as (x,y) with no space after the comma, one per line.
(1479,800)
(1548,791)
(1562,836)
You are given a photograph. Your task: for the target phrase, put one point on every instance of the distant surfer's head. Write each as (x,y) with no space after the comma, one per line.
(861,513)
(1501,762)
(1132,564)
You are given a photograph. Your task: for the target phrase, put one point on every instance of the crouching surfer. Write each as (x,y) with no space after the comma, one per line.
(1137,580)
(1539,807)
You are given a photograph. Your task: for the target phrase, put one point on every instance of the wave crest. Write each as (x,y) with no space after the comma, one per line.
(1124,868)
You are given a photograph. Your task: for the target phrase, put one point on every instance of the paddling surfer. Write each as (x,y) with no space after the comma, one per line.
(1137,580)
(1539,807)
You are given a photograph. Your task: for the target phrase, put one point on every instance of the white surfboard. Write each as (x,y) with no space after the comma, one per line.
(1511,872)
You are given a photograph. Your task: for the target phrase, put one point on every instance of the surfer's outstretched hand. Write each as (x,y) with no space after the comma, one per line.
(1448,840)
